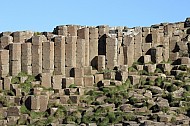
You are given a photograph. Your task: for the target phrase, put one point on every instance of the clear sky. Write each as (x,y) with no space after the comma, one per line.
(44,15)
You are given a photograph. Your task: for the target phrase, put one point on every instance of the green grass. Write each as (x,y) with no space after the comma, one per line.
(73,86)
(37,33)
(158,70)
(24,110)
(15,80)
(132,69)
(22,74)
(37,115)
(61,112)
(30,79)
(26,87)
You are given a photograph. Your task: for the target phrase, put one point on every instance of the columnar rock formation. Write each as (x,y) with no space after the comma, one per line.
(85,56)
(102,47)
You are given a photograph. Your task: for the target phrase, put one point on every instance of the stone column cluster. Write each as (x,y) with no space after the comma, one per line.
(76,52)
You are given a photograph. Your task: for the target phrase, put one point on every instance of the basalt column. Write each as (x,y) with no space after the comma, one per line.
(26,62)
(4,63)
(37,53)
(93,46)
(59,55)
(137,43)
(70,55)
(61,30)
(120,46)
(111,52)
(128,42)
(102,31)
(80,53)
(15,58)
(5,41)
(47,57)
(83,33)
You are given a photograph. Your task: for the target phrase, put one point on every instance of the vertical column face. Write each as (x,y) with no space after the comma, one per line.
(36,59)
(15,58)
(84,34)
(156,54)
(155,37)
(78,72)
(37,54)
(172,47)
(93,46)
(5,41)
(61,30)
(34,102)
(7,83)
(15,51)
(102,31)
(59,55)
(168,30)
(18,37)
(159,54)
(72,30)
(146,36)
(80,53)
(111,52)
(70,51)
(166,49)
(43,102)
(26,58)
(4,63)
(128,50)
(57,82)
(46,80)
(120,56)
(138,44)
(119,46)
(101,62)
(47,57)
(38,40)
(88,81)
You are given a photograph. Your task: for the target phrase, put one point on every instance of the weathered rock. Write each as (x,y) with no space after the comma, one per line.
(156,90)
(13,111)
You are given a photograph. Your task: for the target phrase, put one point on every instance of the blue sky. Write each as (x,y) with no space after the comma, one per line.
(44,15)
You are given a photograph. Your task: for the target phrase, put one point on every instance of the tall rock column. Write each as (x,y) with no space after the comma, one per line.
(166,49)
(48,57)
(155,37)
(60,30)
(146,36)
(102,31)
(120,46)
(15,58)
(128,48)
(137,43)
(37,53)
(80,53)
(59,55)
(26,60)
(168,30)
(93,46)
(111,52)
(83,33)
(72,30)
(70,51)
(4,63)
(19,37)
(5,41)
(173,50)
